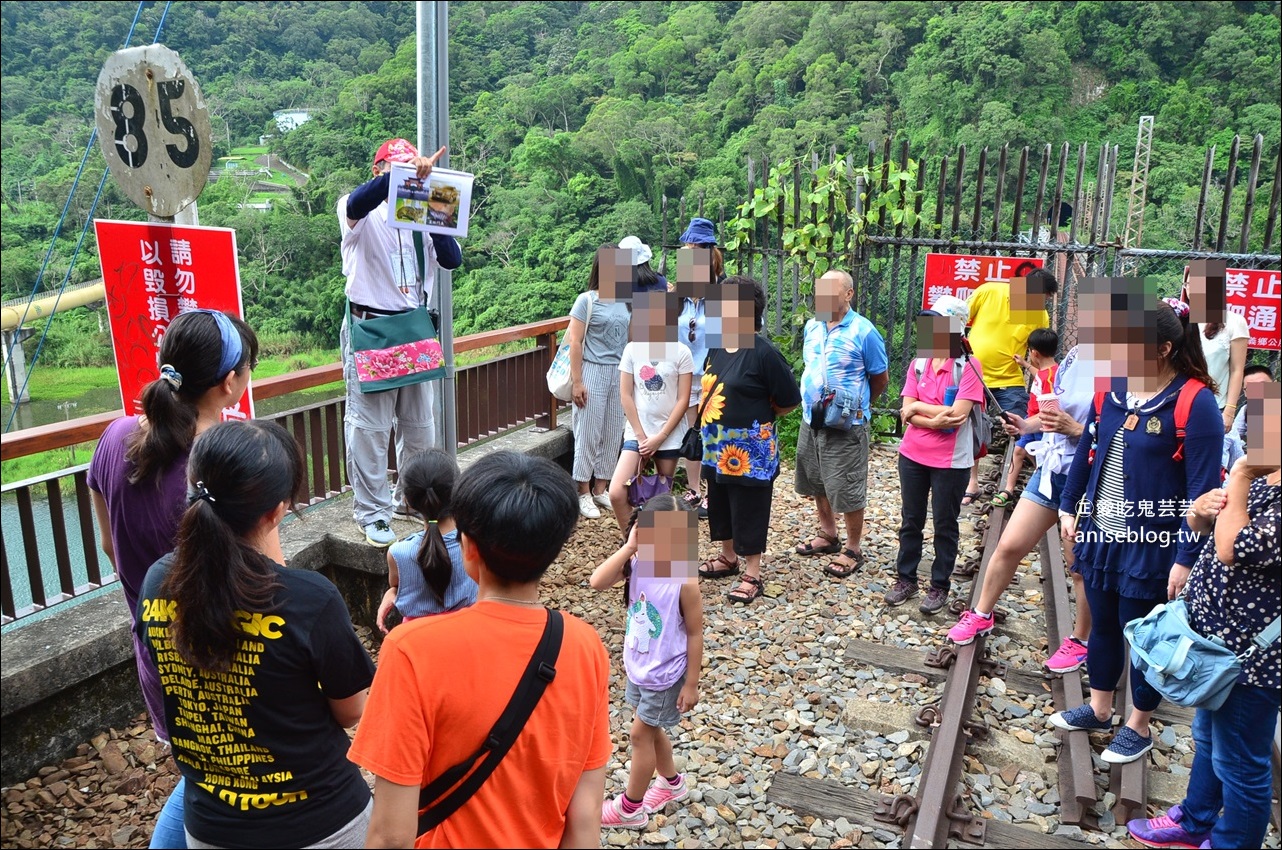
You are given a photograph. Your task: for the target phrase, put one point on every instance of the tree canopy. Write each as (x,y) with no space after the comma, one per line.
(579,118)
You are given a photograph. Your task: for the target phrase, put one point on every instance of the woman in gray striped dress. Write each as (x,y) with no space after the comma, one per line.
(597,333)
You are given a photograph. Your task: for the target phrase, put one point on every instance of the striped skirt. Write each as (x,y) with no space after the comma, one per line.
(598,425)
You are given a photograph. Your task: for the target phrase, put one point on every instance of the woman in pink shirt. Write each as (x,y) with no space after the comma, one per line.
(935,455)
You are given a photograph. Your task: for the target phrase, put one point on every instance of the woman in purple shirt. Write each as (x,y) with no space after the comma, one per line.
(138,475)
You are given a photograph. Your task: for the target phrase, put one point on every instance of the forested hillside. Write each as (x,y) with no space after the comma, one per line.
(578,118)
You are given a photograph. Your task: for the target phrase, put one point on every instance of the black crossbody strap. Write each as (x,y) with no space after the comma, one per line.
(437,798)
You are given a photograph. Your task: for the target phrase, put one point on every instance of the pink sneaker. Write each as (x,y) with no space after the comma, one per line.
(1068,657)
(661,793)
(969,627)
(613,816)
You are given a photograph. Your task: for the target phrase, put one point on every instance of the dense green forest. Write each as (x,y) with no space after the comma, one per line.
(578,118)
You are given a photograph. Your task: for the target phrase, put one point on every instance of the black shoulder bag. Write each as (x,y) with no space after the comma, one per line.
(692,443)
(447,793)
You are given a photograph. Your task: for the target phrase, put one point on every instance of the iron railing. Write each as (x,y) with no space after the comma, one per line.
(493,396)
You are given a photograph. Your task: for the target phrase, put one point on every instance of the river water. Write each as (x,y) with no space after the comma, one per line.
(45,412)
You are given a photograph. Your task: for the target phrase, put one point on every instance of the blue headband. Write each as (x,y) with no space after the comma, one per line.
(233,346)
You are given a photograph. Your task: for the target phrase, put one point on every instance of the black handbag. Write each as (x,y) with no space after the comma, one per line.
(446,794)
(692,442)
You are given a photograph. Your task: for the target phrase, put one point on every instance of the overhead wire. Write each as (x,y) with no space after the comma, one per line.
(35,289)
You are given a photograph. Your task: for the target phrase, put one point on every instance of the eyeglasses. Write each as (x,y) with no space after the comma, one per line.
(692,329)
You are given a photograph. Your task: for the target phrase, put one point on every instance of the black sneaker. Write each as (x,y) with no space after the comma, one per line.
(936,599)
(703,508)
(902,592)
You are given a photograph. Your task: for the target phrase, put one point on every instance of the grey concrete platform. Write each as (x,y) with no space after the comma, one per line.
(65,677)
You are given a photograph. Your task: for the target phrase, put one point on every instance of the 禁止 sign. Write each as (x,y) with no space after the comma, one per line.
(1256,295)
(153,127)
(961,274)
(153,272)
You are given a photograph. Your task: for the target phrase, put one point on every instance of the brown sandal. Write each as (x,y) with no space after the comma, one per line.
(837,569)
(758,588)
(709,570)
(833,547)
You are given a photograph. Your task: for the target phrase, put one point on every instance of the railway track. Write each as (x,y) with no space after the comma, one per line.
(938,815)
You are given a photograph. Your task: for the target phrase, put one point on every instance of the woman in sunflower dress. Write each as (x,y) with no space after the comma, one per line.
(744,390)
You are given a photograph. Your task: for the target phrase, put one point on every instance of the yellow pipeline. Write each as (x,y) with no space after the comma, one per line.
(42,307)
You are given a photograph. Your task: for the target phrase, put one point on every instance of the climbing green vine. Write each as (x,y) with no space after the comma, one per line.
(827,222)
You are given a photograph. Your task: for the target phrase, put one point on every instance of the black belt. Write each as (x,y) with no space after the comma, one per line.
(360,311)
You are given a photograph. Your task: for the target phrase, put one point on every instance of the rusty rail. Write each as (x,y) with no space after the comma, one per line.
(937,813)
(1076,770)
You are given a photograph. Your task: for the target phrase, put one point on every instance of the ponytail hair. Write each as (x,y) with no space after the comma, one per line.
(196,348)
(427,483)
(1187,359)
(238,473)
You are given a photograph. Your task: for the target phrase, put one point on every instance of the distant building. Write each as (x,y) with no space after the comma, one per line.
(288,119)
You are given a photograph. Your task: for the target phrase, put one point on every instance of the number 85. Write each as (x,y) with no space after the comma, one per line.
(131,126)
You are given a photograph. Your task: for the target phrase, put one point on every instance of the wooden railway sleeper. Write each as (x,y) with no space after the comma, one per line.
(964,826)
(898,809)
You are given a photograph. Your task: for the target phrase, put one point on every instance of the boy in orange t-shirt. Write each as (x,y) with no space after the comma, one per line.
(443,681)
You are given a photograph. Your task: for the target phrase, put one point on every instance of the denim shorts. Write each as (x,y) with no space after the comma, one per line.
(1057,489)
(1011,399)
(656,708)
(1025,439)
(661,454)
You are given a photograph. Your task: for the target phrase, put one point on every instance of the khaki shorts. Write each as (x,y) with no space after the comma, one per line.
(834,464)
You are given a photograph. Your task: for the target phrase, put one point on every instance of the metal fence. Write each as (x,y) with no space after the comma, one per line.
(994,202)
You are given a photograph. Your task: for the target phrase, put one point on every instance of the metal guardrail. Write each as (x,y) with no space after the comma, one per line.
(494,396)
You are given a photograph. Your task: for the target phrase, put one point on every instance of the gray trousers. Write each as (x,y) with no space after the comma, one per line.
(598,425)
(367,430)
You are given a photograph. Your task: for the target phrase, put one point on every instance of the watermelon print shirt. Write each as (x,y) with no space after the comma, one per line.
(656,369)
(738,421)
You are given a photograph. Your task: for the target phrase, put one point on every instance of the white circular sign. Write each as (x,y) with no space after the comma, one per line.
(153,127)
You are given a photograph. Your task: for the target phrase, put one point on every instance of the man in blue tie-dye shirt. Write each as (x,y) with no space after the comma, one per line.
(845,371)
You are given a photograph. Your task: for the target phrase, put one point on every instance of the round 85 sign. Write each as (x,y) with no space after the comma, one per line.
(153,127)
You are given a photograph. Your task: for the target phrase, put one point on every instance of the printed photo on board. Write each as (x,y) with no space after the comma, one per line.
(439,203)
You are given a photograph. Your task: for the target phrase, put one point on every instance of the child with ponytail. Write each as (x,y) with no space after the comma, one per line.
(425,570)
(138,476)
(662,650)
(263,669)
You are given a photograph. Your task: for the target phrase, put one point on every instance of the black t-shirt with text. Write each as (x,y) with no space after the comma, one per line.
(265,760)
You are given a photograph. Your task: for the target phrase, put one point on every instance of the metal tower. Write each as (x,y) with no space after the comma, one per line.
(1139,191)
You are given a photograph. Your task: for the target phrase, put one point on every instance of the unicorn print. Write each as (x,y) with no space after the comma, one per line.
(642,625)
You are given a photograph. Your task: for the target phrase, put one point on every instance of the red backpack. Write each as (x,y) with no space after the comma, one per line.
(1183,404)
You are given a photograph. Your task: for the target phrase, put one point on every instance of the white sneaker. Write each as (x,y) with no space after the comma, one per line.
(603,500)
(587,507)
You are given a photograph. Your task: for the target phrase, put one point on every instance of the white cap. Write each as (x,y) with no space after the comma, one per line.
(951,305)
(641,252)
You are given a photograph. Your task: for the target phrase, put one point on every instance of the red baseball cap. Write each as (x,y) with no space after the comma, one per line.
(395,150)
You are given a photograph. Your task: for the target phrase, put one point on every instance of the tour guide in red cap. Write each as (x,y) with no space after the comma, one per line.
(383,278)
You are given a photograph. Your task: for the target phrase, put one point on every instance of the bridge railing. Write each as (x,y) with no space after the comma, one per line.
(58,549)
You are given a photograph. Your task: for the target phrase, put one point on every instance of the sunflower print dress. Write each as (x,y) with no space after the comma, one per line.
(738,420)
